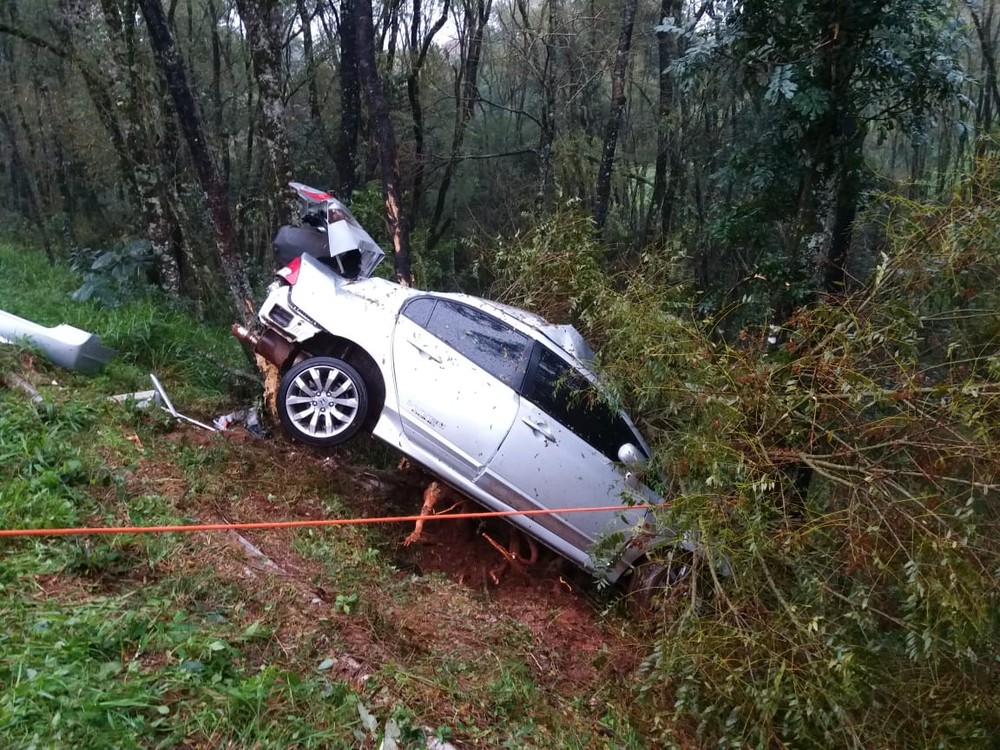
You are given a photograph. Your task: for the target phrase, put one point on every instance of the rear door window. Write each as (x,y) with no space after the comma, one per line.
(486,340)
(419,310)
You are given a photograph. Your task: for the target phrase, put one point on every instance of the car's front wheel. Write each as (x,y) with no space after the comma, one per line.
(322,401)
(652,580)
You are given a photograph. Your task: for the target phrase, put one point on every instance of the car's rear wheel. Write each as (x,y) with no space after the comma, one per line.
(322,401)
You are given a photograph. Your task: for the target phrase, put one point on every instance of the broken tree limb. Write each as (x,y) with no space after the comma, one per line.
(17,383)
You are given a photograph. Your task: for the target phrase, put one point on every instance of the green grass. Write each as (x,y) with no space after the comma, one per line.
(150,335)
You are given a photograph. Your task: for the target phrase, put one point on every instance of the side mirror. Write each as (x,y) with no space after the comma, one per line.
(631,456)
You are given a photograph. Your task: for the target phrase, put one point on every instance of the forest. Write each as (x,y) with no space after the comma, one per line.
(777,221)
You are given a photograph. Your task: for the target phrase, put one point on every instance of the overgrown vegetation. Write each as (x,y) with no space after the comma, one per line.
(841,473)
(788,259)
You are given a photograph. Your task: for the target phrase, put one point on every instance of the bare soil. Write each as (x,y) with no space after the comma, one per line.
(469,587)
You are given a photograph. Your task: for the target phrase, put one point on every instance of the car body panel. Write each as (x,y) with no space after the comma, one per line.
(554,468)
(439,392)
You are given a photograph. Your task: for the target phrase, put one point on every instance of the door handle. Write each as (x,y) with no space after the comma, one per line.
(539,429)
(429,355)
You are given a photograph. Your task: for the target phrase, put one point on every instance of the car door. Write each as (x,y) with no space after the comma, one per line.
(562,452)
(457,370)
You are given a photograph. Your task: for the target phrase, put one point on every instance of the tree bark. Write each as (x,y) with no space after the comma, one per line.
(990,102)
(350,98)
(618,74)
(173,71)
(845,210)
(31,189)
(553,43)
(315,111)
(385,138)
(665,147)
(122,75)
(418,53)
(264,24)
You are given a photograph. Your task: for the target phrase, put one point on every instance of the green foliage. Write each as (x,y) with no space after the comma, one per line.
(839,475)
(114,672)
(116,275)
(823,83)
(554,268)
(43,471)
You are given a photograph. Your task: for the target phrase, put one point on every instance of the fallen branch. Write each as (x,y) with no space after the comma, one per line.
(16,382)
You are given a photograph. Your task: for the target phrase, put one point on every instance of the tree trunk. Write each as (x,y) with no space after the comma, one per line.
(315,111)
(990,101)
(418,53)
(665,147)
(265,25)
(553,43)
(385,138)
(466,96)
(215,94)
(350,99)
(170,67)
(31,189)
(845,209)
(618,74)
(123,76)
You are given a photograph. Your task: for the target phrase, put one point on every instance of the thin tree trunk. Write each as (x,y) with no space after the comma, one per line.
(553,44)
(350,99)
(172,70)
(466,96)
(664,136)
(312,87)
(385,138)
(31,188)
(618,73)
(845,209)
(123,76)
(990,92)
(215,94)
(418,51)
(265,25)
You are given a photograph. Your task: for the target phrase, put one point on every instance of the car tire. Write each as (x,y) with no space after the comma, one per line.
(322,401)
(653,580)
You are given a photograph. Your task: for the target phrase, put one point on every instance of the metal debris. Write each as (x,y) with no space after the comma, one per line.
(139,399)
(168,407)
(249,418)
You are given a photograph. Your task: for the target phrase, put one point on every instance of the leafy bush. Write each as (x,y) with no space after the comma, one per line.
(843,467)
(114,276)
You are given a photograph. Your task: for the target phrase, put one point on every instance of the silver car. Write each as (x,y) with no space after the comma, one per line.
(493,400)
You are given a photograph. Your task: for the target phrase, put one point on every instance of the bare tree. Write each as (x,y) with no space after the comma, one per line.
(618,74)
(476,16)
(385,139)
(419,48)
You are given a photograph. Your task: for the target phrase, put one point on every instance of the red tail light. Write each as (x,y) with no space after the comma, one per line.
(290,273)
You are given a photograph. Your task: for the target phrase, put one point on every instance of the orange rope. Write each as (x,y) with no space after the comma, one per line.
(300,524)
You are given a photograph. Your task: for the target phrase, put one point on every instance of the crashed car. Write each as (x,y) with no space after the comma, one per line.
(498,403)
